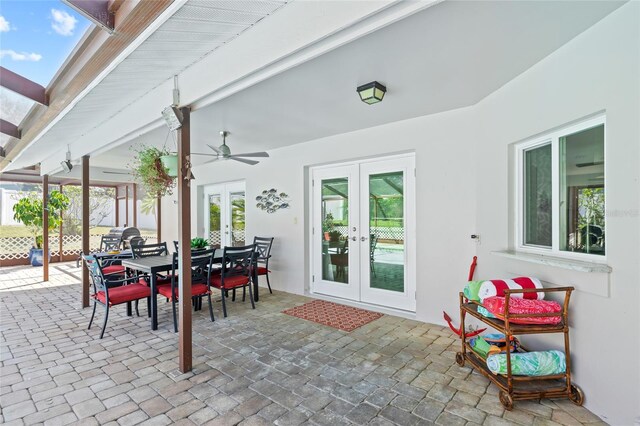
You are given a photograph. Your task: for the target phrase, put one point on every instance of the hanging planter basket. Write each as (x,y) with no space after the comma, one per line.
(170,162)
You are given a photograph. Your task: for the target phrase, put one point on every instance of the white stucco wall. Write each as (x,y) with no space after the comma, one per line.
(597,71)
(462,186)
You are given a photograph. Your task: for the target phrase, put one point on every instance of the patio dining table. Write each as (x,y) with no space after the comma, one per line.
(154,265)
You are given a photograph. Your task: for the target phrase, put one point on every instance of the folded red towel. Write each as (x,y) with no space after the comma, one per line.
(495,305)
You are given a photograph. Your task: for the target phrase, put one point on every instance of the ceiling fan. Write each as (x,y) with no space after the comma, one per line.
(223,152)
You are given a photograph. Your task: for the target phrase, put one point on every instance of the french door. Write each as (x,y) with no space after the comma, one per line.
(224,214)
(363,236)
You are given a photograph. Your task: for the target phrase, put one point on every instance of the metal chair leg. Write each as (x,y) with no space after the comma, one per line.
(268,283)
(233,297)
(175,319)
(106,317)
(210,308)
(224,305)
(95,304)
(253,305)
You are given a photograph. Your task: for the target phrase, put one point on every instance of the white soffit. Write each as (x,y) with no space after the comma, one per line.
(195,30)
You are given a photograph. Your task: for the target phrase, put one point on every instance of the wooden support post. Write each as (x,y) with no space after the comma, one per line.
(117,208)
(85,228)
(126,205)
(184,243)
(61,233)
(45,227)
(159,219)
(135,206)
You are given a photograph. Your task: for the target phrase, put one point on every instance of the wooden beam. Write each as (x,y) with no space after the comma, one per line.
(23,86)
(45,228)
(9,129)
(86,63)
(61,233)
(184,244)
(85,228)
(135,205)
(159,219)
(117,209)
(97,11)
(126,205)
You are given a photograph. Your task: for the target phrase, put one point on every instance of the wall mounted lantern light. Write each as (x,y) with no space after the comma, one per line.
(371,93)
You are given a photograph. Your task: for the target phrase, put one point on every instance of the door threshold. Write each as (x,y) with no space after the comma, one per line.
(362,305)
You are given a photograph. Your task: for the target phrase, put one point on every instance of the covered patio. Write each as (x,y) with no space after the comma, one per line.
(380,146)
(255,367)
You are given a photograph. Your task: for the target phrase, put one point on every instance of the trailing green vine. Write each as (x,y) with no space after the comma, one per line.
(150,172)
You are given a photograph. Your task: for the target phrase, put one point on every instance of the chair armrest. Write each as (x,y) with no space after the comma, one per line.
(121,281)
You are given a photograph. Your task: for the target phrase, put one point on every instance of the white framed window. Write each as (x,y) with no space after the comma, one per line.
(560,192)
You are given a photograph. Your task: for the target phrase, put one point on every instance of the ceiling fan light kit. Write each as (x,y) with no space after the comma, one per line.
(223,152)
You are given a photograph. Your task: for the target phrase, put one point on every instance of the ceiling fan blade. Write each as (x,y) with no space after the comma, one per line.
(244,160)
(211,161)
(214,148)
(206,155)
(252,154)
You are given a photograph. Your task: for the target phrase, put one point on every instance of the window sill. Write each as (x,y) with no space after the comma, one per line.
(574,265)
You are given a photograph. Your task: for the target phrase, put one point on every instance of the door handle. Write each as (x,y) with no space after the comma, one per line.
(363,238)
(354,238)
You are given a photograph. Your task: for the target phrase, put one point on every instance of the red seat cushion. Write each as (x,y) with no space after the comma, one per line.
(113,269)
(125,293)
(196,290)
(229,282)
(261,270)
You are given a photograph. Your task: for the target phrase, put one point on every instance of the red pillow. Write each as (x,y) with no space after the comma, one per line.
(495,305)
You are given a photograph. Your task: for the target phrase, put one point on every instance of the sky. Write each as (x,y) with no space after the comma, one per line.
(36,36)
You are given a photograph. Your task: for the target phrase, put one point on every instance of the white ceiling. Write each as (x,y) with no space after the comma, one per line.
(448,56)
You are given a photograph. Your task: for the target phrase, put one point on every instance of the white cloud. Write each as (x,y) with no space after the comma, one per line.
(4,25)
(63,23)
(20,56)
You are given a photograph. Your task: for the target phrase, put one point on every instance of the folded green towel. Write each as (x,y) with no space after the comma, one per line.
(471,290)
(543,363)
(484,312)
(480,346)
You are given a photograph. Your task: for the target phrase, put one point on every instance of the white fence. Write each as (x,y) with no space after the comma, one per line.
(395,233)
(13,248)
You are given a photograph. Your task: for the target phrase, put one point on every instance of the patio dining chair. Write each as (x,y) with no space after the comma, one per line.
(110,243)
(112,264)
(263,251)
(236,272)
(147,250)
(111,292)
(201,262)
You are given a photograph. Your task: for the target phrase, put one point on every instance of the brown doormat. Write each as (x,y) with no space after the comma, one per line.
(334,315)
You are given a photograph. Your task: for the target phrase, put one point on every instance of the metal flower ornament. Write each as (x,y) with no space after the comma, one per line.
(271,201)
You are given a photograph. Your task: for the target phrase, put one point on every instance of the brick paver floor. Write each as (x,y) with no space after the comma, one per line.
(255,367)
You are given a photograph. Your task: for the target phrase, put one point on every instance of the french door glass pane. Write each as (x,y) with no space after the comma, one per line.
(214,219)
(537,196)
(237,218)
(582,191)
(335,226)
(386,231)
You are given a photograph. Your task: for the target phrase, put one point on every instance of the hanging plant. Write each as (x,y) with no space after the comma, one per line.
(150,172)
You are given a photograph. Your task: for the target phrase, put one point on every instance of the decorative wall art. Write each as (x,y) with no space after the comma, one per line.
(270,201)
